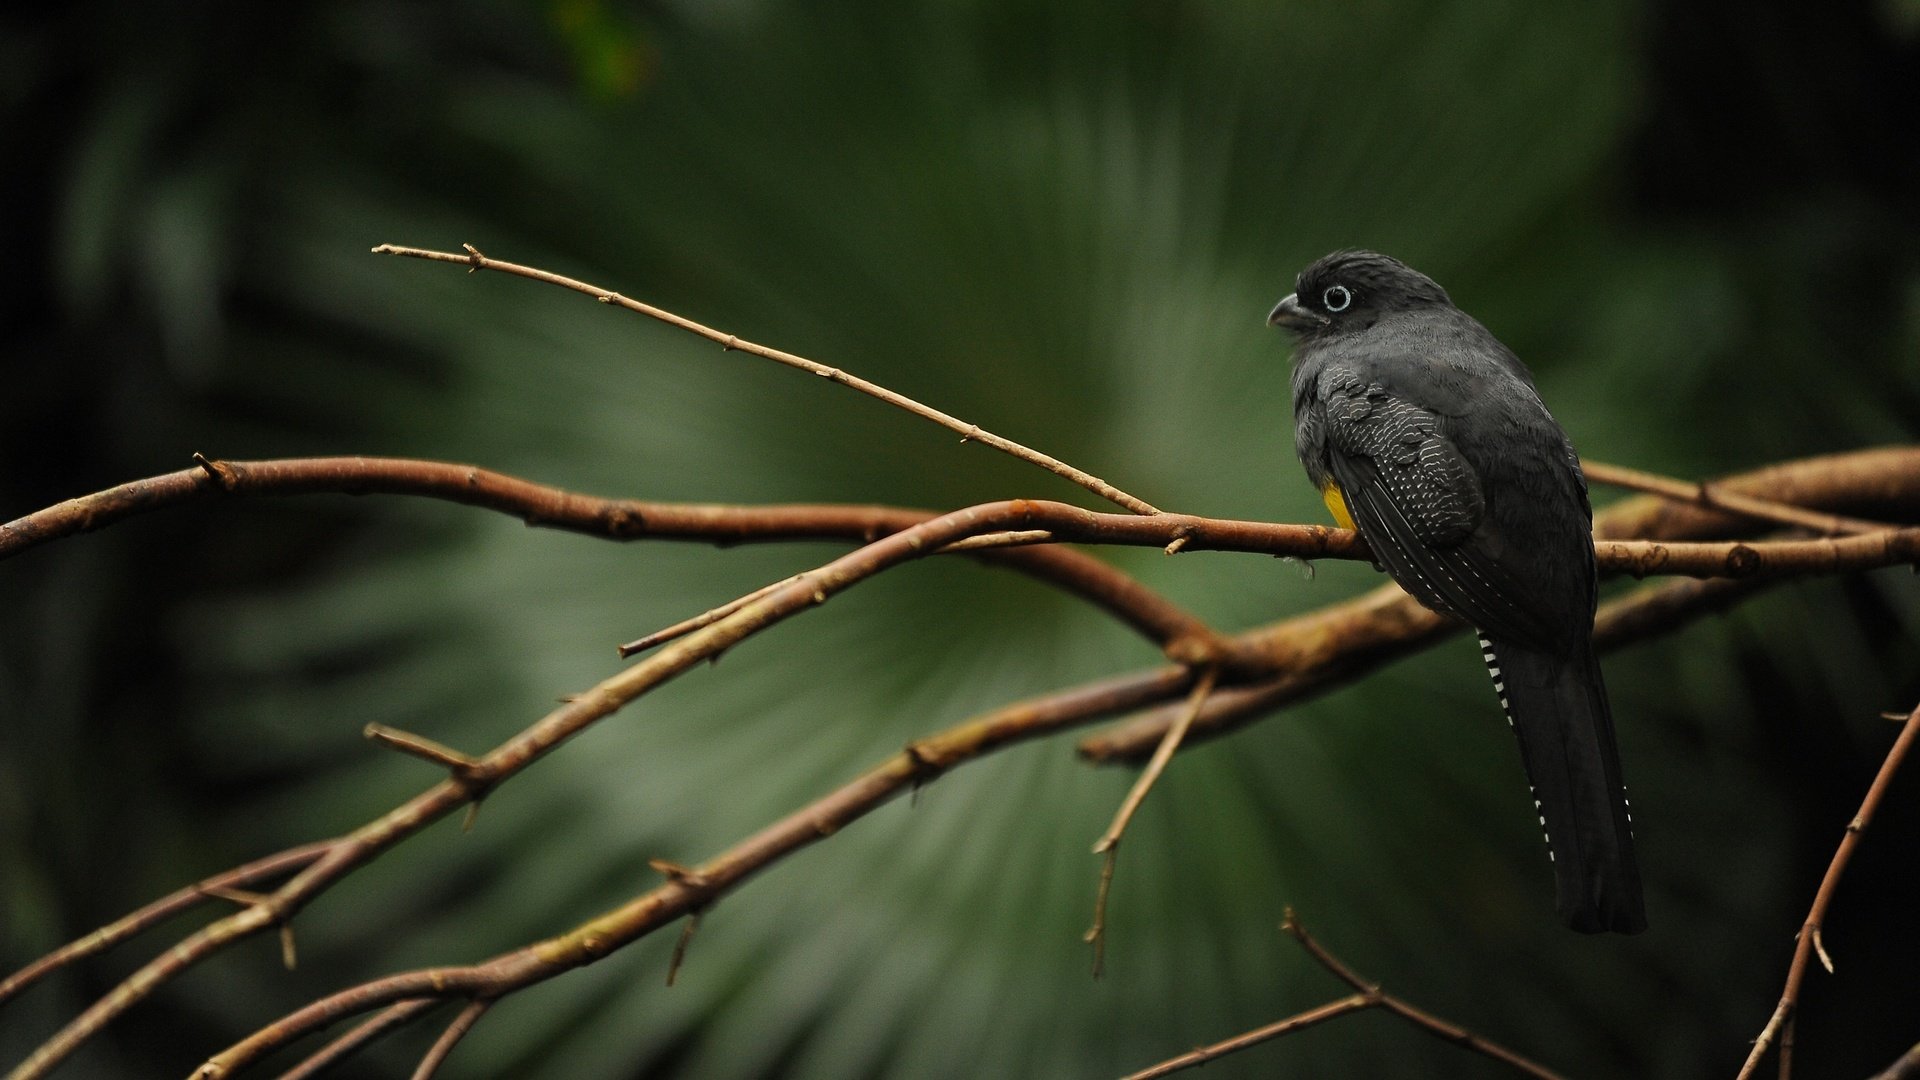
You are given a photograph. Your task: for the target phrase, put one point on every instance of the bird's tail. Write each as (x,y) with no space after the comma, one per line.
(1557,705)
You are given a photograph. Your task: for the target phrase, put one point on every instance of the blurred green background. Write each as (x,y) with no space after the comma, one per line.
(1065,221)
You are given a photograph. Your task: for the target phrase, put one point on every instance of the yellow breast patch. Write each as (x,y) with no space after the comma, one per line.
(1337,504)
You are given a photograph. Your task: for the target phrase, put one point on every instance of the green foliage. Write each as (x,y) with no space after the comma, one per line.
(1062,221)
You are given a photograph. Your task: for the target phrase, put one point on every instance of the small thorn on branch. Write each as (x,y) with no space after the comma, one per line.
(221,472)
(475,260)
(1015,538)
(922,768)
(680,946)
(1179,544)
(247,898)
(706,618)
(1820,950)
(462,766)
(680,875)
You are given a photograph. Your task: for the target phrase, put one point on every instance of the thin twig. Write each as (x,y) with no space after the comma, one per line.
(1319,1014)
(1426,1021)
(350,1042)
(1829,885)
(1368,996)
(706,618)
(1108,845)
(420,746)
(253,873)
(450,1038)
(473,259)
(1714,497)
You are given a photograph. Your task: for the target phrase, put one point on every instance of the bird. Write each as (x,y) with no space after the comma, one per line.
(1426,434)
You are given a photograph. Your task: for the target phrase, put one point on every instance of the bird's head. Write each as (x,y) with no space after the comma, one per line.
(1350,290)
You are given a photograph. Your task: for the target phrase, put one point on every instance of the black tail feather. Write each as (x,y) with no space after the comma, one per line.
(1557,705)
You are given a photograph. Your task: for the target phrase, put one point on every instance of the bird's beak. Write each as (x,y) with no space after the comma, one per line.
(1290,314)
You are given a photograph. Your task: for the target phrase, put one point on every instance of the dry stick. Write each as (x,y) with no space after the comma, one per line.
(1109,843)
(1299,1021)
(473,259)
(359,1036)
(1816,915)
(457,1030)
(1714,497)
(253,873)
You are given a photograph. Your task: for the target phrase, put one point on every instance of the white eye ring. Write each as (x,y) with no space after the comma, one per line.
(1337,299)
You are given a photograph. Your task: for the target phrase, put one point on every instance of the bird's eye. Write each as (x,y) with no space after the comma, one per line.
(1337,299)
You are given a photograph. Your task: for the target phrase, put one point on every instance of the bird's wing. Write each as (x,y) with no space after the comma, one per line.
(1420,507)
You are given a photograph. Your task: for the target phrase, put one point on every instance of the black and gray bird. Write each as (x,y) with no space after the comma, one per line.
(1426,434)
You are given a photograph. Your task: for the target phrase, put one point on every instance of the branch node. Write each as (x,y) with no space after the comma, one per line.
(221,472)
(475,260)
(681,875)
(921,769)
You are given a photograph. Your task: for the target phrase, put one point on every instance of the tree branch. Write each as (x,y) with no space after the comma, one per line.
(251,874)
(1714,498)
(357,1037)
(1369,996)
(483,773)
(1299,1021)
(1343,641)
(1108,845)
(437,1054)
(1780,1024)
(1394,625)
(474,260)
(685,894)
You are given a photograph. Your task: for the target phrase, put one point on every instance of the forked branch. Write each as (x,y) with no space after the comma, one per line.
(1369,996)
